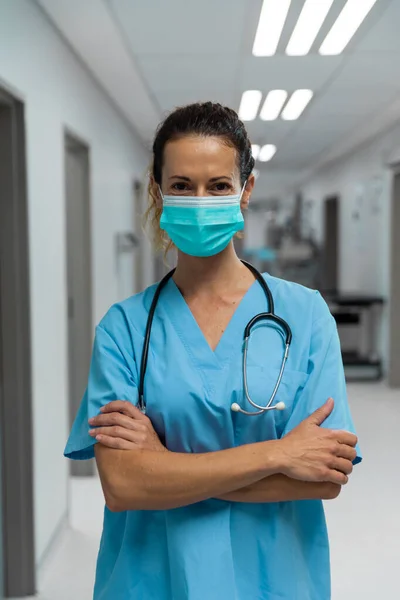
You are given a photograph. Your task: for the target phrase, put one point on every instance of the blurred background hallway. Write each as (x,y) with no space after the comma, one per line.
(82,89)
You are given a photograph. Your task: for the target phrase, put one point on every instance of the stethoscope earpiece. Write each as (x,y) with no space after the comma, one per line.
(235,407)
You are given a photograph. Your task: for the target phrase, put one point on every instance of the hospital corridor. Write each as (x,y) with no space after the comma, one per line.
(199,299)
(364,524)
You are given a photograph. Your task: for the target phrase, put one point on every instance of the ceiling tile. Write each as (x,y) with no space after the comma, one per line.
(181,26)
(168,100)
(370,71)
(383,34)
(285,72)
(194,73)
(272,132)
(341,101)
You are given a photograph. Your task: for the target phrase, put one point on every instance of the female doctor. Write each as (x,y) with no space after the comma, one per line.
(203,500)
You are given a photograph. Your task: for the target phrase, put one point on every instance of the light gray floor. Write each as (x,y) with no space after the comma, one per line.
(69,568)
(364,522)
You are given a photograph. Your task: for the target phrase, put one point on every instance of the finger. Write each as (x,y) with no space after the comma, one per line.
(337,477)
(345,437)
(117,443)
(125,407)
(116,418)
(119,432)
(348,452)
(342,465)
(322,413)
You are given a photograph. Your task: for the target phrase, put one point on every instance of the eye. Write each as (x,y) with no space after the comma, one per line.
(222,188)
(180,186)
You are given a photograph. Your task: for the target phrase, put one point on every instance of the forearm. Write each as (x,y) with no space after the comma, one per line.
(140,480)
(279,488)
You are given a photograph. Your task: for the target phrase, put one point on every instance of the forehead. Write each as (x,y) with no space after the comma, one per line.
(197,155)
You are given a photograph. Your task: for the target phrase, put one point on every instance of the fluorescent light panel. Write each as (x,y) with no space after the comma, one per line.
(255,150)
(272,20)
(273,105)
(249,105)
(267,152)
(311,18)
(346,25)
(296,104)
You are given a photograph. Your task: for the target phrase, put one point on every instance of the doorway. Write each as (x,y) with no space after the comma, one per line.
(138,234)
(79,278)
(330,259)
(16,482)
(394,294)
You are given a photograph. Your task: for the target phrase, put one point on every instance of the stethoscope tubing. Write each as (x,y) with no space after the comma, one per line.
(266,316)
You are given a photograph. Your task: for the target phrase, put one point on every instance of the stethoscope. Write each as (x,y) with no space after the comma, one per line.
(265,316)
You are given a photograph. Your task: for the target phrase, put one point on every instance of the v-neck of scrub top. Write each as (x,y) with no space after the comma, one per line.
(191,335)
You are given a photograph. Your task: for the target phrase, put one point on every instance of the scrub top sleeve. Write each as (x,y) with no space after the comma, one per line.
(325,377)
(110,378)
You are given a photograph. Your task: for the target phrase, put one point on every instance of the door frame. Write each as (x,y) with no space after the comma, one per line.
(394,292)
(75,143)
(15,363)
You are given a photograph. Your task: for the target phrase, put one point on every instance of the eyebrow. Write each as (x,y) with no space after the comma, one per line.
(220,177)
(212,180)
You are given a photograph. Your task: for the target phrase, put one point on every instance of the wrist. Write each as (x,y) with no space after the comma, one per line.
(274,458)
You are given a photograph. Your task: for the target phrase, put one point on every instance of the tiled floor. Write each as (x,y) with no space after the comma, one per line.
(364,521)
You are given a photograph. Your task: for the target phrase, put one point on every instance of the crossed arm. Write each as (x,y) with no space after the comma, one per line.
(280,488)
(137,472)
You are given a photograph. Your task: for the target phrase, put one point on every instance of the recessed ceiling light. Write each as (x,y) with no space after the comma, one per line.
(310,22)
(273,105)
(249,105)
(272,20)
(296,104)
(267,152)
(347,23)
(255,150)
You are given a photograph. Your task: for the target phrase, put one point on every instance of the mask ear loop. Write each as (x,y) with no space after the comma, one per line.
(243,188)
(161,194)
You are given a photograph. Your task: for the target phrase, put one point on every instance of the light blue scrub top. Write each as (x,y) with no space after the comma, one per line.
(215,550)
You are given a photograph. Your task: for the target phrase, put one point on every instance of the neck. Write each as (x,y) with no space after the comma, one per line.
(215,273)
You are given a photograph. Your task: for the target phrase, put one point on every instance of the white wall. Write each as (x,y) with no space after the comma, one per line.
(38,67)
(363,181)
(256,228)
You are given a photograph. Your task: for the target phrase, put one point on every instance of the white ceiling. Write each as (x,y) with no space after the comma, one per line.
(153,55)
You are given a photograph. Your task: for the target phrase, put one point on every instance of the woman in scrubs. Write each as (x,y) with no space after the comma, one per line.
(203,503)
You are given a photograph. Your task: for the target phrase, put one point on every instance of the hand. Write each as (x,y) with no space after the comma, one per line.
(312,453)
(123,426)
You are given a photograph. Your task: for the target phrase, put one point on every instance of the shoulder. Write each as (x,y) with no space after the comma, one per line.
(300,301)
(130,315)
